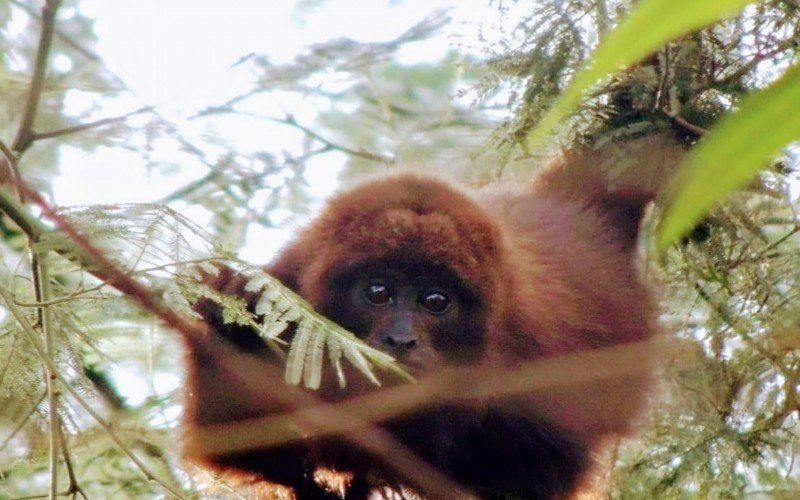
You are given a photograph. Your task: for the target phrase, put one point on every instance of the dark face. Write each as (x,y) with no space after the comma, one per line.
(421,315)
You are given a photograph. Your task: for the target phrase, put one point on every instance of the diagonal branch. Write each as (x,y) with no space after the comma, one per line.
(87,126)
(464,385)
(360,153)
(25,135)
(201,340)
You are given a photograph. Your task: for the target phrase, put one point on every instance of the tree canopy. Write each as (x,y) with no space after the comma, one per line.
(91,295)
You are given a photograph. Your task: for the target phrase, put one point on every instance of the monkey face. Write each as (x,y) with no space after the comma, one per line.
(422,315)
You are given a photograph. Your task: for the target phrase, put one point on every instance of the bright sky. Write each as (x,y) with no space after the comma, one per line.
(179,55)
(179,52)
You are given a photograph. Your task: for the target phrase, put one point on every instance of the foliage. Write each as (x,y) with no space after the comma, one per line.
(728,159)
(70,342)
(729,418)
(728,424)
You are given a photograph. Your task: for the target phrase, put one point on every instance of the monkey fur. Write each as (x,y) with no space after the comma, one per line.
(509,274)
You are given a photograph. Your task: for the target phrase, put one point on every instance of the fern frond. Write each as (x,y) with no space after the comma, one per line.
(278,307)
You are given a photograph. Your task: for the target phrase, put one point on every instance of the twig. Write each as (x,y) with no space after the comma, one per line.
(41,286)
(225,107)
(691,127)
(11,174)
(28,224)
(458,384)
(41,350)
(290,121)
(25,132)
(90,125)
(747,67)
(22,422)
(73,488)
(193,186)
(60,34)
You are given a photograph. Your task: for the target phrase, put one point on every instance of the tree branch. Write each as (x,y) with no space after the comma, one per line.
(87,126)
(25,133)
(41,350)
(464,385)
(360,153)
(199,339)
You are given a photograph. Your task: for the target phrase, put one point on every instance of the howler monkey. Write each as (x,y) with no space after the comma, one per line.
(437,276)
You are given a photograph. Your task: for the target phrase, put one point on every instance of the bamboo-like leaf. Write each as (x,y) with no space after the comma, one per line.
(279,307)
(335,356)
(650,24)
(209,268)
(265,305)
(354,355)
(256,283)
(736,149)
(297,355)
(292,312)
(313,371)
(273,329)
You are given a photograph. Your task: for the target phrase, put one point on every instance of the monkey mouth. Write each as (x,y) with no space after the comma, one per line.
(414,365)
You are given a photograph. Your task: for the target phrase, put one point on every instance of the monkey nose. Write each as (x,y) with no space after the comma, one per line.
(400,343)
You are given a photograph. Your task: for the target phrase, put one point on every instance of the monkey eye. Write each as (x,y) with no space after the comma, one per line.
(435,302)
(377,294)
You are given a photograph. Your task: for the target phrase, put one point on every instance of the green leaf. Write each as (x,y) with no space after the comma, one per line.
(736,149)
(313,370)
(295,362)
(651,24)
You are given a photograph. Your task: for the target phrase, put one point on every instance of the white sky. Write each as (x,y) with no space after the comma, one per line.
(179,54)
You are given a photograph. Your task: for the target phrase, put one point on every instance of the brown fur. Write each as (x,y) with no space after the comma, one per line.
(552,265)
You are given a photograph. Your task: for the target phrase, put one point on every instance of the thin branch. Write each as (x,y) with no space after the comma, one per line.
(686,125)
(41,286)
(59,34)
(463,385)
(360,153)
(28,224)
(90,125)
(226,107)
(9,166)
(22,422)
(41,350)
(292,122)
(11,157)
(73,488)
(788,43)
(143,271)
(25,133)
(182,193)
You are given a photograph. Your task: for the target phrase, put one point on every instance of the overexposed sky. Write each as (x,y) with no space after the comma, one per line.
(180,52)
(180,55)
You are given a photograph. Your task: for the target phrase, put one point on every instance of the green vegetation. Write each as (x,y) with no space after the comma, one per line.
(90,297)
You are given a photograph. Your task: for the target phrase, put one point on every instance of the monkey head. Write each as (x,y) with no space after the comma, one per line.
(411,265)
